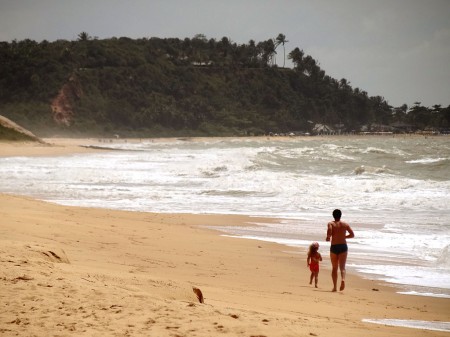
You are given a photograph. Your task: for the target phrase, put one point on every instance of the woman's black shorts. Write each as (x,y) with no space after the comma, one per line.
(339,248)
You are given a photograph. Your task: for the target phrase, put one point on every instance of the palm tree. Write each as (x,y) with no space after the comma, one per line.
(297,57)
(83,36)
(437,108)
(344,84)
(252,53)
(309,64)
(281,39)
(267,49)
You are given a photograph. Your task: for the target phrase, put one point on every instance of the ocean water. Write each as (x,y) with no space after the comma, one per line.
(423,325)
(393,191)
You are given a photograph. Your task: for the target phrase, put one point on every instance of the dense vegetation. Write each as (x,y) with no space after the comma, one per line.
(154,87)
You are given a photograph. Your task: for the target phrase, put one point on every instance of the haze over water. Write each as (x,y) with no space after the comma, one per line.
(392,190)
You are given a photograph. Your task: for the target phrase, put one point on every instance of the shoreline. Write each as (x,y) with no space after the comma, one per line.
(63,258)
(134,271)
(55,146)
(354,266)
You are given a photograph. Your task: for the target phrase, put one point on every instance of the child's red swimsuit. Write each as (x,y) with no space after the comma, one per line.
(314,266)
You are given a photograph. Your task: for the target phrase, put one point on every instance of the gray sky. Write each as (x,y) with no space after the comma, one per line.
(398,49)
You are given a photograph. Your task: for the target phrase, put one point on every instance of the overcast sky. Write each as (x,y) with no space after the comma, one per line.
(397,49)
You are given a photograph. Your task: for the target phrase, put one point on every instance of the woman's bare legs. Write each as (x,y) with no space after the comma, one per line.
(334,264)
(338,262)
(342,261)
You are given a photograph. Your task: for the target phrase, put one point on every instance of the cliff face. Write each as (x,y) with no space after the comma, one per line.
(62,104)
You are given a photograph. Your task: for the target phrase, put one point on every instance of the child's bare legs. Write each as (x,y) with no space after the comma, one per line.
(315,276)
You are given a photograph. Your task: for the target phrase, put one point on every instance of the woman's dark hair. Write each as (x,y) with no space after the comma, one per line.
(337,214)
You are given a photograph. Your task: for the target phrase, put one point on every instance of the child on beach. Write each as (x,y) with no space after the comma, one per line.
(313,260)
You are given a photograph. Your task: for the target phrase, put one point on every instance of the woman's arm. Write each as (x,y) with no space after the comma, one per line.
(329,231)
(350,233)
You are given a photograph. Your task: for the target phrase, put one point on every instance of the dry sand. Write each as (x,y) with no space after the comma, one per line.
(71,271)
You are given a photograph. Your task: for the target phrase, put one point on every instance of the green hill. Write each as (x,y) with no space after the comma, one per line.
(174,87)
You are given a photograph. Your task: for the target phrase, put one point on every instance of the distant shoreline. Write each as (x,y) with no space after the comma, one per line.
(63,146)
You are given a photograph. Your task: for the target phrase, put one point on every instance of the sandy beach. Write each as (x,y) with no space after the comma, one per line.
(72,271)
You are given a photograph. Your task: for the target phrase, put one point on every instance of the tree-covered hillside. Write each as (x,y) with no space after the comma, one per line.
(198,86)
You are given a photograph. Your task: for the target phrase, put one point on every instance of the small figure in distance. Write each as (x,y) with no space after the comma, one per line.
(337,234)
(313,260)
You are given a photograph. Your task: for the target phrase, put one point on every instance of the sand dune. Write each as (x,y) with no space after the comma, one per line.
(12,130)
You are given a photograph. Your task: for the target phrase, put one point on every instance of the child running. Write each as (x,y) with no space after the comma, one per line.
(313,260)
